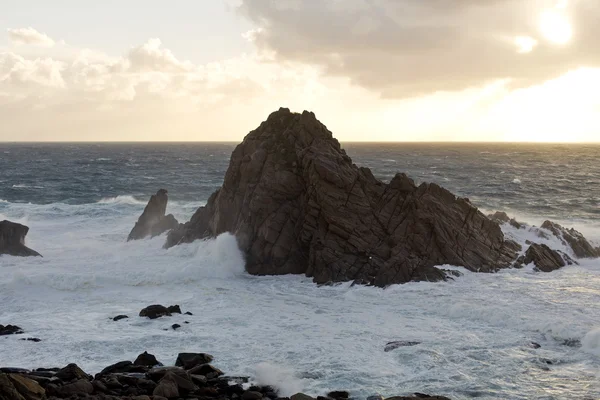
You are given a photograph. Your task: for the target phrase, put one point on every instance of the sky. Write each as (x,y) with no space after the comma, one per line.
(371,70)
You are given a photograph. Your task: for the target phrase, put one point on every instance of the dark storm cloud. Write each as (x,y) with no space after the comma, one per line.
(409,47)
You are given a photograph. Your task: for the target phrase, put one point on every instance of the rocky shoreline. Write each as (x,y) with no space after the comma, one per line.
(191,377)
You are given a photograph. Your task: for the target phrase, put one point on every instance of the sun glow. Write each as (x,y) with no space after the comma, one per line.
(555,27)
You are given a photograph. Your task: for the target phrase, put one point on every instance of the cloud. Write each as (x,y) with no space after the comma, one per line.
(403,48)
(30,36)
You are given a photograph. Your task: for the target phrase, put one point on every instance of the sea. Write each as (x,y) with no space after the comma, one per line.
(475,333)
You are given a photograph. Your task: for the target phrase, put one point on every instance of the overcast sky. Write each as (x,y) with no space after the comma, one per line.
(371,70)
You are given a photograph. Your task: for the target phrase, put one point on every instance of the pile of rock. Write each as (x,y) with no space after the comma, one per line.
(192,377)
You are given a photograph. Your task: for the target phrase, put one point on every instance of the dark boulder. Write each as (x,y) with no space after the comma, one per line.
(338,395)
(153,220)
(155,311)
(12,240)
(119,317)
(298,205)
(573,239)
(146,359)
(191,360)
(544,258)
(71,373)
(174,309)
(10,330)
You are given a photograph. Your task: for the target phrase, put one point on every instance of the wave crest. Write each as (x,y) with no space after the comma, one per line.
(123,199)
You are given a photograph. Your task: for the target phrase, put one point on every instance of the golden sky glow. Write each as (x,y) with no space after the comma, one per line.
(506,70)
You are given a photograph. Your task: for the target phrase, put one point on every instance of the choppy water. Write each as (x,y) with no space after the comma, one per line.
(81,201)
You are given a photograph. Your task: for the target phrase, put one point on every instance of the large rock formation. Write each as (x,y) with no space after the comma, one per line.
(12,240)
(153,220)
(298,205)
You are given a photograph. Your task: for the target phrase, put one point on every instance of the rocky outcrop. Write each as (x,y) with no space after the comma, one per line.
(153,221)
(12,240)
(298,205)
(127,381)
(573,239)
(544,258)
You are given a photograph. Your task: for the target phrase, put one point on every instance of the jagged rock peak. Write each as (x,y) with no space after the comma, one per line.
(153,220)
(297,204)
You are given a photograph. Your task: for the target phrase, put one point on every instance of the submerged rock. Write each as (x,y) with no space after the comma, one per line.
(153,220)
(544,258)
(400,343)
(298,205)
(12,240)
(155,311)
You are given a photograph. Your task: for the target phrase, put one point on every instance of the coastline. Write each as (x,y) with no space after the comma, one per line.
(191,377)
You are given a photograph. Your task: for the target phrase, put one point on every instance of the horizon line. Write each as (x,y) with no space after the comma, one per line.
(234,142)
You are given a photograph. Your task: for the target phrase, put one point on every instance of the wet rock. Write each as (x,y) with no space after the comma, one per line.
(120,317)
(175,326)
(301,396)
(207,370)
(188,313)
(146,359)
(28,388)
(12,240)
(155,311)
(99,386)
(8,390)
(122,366)
(153,220)
(544,258)
(535,345)
(252,395)
(70,373)
(80,387)
(157,373)
(574,239)
(191,360)
(399,343)
(167,389)
(32,339)
(298,205)
(10,330)
(376,397)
